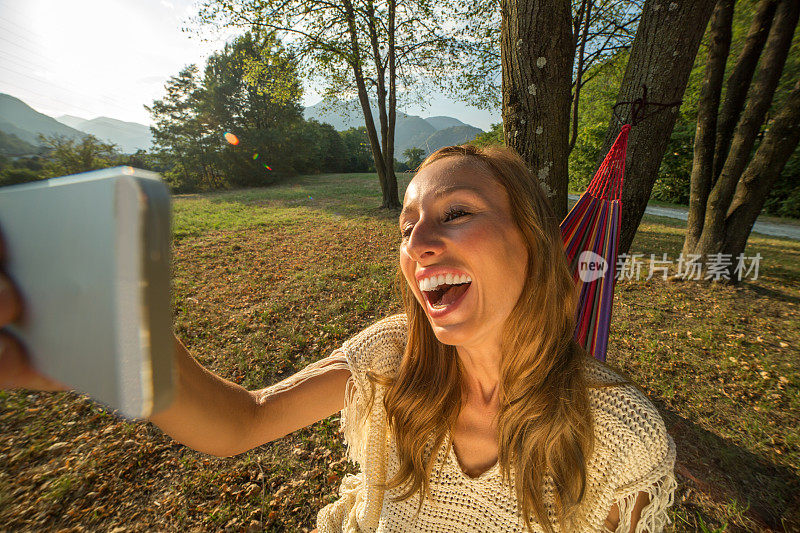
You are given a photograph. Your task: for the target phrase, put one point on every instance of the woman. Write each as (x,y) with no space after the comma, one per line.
(473,411)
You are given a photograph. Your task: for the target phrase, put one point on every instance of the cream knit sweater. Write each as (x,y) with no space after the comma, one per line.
(633,453)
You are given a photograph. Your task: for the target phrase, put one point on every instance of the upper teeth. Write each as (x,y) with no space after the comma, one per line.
(431,283)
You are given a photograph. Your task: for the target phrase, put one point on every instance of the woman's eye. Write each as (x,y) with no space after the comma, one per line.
(406,231)
(454,213)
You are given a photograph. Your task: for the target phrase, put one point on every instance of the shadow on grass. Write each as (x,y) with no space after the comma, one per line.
(768,292)
(729,475)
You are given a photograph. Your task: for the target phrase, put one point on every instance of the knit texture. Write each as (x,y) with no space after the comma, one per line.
(633,453)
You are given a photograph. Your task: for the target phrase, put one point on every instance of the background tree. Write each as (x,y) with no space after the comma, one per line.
(673,177)
(66,156)
(493,136)
(251,89)
(661,57)
(179,136)
(730,183)
(414,157)
(357,150)
(371,49)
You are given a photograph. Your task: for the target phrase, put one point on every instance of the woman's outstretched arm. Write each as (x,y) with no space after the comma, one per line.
(219,417)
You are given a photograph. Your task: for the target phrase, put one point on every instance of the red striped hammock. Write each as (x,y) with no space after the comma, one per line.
(591,238)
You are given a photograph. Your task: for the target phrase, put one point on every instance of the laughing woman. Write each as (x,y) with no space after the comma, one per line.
(474,410)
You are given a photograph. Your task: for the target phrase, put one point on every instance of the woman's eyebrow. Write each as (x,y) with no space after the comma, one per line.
(404,211)
(450,189)
(440,193)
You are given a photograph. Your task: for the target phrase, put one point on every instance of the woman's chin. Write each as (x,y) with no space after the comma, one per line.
(451,335)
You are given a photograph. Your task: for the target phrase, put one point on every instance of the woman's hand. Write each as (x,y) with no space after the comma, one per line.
(15,368)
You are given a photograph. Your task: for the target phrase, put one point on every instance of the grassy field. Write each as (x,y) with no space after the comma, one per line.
(268,280)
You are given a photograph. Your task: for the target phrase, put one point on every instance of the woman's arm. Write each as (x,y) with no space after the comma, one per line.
(219,417)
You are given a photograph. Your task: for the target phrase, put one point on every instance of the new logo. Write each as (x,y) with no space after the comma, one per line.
(591,266)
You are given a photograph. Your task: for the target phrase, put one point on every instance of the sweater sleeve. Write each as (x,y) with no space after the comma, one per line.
(376,349)
(647,462)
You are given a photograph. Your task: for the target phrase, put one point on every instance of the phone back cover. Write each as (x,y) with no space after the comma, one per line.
(90,254)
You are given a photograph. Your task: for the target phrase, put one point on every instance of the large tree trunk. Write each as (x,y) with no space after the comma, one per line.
(661,57)
(706,133)
(537,78)
(769,160)
(769,71)
(739,82)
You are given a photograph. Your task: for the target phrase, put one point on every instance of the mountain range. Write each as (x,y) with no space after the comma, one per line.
(128,136)
(411,131)
(22,121)
(21,125)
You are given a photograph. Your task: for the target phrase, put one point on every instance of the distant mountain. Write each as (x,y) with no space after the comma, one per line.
(411,131)
(128,136)
(10,144)
(18,118)
(442,123)
(71,121)
(450,136)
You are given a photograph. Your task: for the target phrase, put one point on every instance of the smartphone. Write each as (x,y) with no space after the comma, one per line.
(90,255)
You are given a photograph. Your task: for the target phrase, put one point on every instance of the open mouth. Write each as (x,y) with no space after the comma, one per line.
(441,294)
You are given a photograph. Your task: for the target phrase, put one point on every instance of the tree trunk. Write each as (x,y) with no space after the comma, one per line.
(537,79)
(770,67)
(388,181)
(661,57)
(389,148)
(769,160)
(706,133)
(739,82)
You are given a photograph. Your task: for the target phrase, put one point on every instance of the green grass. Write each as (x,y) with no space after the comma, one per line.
(267,280)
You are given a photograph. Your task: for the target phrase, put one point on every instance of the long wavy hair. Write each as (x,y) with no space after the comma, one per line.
(545,426)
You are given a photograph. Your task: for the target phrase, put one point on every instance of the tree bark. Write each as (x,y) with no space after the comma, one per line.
(537,79)
(739,82)
(706,133)
(767,164)
(770,67)
(661,57)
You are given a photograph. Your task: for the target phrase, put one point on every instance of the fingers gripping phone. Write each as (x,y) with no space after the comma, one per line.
(90,255)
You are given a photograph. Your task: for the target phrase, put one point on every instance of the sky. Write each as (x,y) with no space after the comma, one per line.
(90,58)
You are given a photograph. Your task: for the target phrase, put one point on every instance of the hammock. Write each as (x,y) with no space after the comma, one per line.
(591,238)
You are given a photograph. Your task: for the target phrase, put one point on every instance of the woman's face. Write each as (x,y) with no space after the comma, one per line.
(457,228)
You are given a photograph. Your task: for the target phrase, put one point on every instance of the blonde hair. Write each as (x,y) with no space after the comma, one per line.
(545,424)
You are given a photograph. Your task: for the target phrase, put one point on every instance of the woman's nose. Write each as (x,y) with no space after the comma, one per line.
(425,241)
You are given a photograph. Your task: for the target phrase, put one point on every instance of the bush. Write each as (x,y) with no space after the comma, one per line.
(674,174)
(14,176)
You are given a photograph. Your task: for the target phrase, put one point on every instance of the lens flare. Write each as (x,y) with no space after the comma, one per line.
(255,156)
(268,168)
(231,138)
(309,197)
